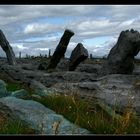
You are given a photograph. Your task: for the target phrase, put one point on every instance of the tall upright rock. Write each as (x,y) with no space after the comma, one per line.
(121,57)
(78,55)
(7,49)
(60,49)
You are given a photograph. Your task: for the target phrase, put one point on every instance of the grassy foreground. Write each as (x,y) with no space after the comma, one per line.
(11,126)
(89,116)
(92,116)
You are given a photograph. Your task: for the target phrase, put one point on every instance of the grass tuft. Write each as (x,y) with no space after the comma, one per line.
(92,116)
(10,126)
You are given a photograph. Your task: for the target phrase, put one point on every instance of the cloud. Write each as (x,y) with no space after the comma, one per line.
(34,29)
(42,49)
(95,25)
(101,50)
(16,13)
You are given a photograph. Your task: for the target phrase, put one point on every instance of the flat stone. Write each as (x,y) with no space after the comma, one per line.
(40,118)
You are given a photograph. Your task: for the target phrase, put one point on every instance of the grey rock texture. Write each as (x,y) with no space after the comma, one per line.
(116,90)
(60,49)
(121,57)
(40,90)
(63,65)
(7,49)
(78,55)
(40,118)
(22,94)
(47,79)
(88,68)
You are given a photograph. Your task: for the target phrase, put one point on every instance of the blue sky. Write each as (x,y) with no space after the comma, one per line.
(34,29)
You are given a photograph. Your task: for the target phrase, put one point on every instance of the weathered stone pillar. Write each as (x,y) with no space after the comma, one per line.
(7,48)
(60,49)
(121,57)
(78,55)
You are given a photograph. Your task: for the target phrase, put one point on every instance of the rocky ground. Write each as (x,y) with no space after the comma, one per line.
(114,89)
(111,89)
(113,82)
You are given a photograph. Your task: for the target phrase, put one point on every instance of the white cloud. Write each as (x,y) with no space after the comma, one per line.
(95,25)
(87,33)
(42,49)
(126,23)
(30,30)
(102,49)
(37,28)
(19,46)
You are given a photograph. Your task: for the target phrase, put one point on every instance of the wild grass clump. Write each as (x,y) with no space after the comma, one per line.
(11,126)
(92,116)
(11,86)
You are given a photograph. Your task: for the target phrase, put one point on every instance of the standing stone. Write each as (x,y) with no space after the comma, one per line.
(78,55)
(7,48)
(121,57)
(60,49)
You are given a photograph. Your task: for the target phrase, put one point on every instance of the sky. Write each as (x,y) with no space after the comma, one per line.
(34,29)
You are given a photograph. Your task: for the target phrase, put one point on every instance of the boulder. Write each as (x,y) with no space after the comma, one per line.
(16,73)
(68,76)
(63,65)
(22,94)
(78,55)
(89,68)
(40,118)
(40,90)
(116,90)
(121,57)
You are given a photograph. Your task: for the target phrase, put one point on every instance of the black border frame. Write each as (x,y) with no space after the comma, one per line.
(71,2)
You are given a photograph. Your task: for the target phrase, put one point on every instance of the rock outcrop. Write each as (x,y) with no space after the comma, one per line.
(119,91)
(48,79)
(121,57)
(78,55)
(38,117)
(88,68)
(21,94)
(63,65)
(7,49)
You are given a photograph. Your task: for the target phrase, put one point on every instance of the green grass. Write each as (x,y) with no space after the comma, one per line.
(10,126)
(13,85)
(92,116)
